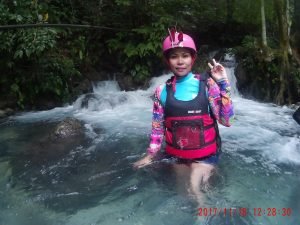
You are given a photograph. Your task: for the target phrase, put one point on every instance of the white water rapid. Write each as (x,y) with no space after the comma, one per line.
(94,183)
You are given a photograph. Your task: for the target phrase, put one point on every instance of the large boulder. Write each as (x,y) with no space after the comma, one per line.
(242,78)
(296,115)
(5,112)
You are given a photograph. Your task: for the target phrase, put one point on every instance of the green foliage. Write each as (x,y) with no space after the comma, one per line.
(15,88)
(33,42)
(33,64)
(247,52)
(250,43)
(139,51)
(56,73)
(46,61)
(296,74)
(262,69)
(51,76)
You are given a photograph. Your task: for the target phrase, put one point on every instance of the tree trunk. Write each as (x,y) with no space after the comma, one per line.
(295,32)
(218,9)
(281,7)
(263,25)
(230,11)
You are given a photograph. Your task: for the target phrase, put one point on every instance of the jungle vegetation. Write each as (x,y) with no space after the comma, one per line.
(42,63)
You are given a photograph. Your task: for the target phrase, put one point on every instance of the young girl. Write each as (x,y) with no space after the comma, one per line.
(185,112)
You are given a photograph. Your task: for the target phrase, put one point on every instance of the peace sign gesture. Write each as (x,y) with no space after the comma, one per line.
(218,72)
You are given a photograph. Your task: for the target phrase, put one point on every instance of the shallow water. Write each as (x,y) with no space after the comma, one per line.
(91,180)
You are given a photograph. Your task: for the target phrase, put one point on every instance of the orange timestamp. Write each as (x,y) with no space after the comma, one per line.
(243,212)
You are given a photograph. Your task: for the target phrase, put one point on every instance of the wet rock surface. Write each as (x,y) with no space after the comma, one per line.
(5,112)
(69,127)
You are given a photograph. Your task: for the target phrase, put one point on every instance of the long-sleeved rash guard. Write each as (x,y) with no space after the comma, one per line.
(187,88)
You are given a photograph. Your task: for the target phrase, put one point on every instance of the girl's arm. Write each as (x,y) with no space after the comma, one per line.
(220,101)
(157,132)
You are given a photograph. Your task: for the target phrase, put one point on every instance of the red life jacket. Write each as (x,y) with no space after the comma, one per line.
(191,132)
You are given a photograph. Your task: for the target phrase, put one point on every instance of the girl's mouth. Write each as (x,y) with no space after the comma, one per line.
(180,69)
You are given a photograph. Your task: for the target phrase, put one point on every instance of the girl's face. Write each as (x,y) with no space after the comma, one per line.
(180,61)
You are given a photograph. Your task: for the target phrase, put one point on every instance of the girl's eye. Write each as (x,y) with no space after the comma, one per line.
(173,56)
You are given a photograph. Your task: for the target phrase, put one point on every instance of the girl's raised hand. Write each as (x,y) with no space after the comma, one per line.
(218,72)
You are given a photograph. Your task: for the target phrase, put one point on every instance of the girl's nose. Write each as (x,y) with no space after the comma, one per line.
(180,60)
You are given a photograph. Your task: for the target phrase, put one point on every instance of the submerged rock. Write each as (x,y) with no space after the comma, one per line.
(69,127)
(52,144)
(5,175)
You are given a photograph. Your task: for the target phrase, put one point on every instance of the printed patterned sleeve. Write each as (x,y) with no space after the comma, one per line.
(157,132)
(220,101)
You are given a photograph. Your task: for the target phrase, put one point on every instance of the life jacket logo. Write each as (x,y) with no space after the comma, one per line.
(182,142)
(194,111)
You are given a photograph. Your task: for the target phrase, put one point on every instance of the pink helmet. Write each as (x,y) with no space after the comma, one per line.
(178,40)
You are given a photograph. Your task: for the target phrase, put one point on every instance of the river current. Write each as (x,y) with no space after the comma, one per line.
(91,180)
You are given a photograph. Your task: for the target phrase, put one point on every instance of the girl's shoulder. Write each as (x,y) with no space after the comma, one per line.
(159,89)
